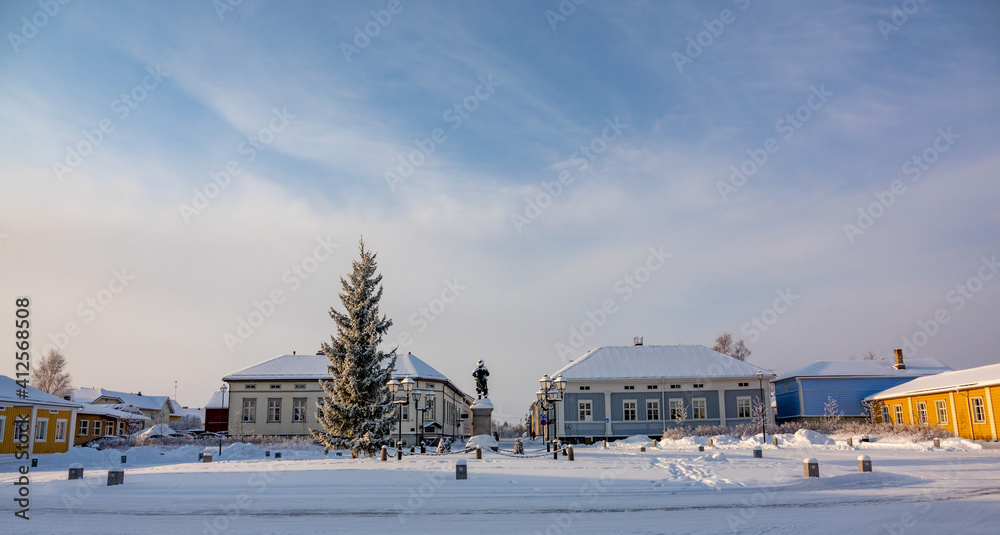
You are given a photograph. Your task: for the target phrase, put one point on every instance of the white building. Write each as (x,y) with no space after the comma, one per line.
(279,397)
(622,391)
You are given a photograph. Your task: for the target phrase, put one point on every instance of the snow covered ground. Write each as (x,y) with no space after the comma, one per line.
(670,488)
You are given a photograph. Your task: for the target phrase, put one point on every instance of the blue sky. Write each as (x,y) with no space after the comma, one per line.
(480,211)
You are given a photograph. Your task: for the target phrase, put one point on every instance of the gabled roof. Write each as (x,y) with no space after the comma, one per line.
(218,401)
(149,403)
(110,411)
(654,362)
(868,368)
(315,367)
(945,381)
(8,394)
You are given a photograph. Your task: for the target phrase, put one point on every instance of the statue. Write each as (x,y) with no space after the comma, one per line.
(481,374)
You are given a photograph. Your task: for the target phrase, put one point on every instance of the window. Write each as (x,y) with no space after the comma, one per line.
(299,410)
(586,411)
(899,414)
(744,384)
(921,413)
(628,410)
(98,428)
(652,409)
(84,427)
(585,388)
(698,385)
(406,411)
(250,410)
(885,415)
(300,386)
(978,410)
(274,410)
(109,429)
(675,387)
(429,409)
(276,387)
(41,429)
(251,387)
(942,411)
(3,425)
(629,387)
(676,409)
(652,387)
(698,409)
(60,430)
(743,407)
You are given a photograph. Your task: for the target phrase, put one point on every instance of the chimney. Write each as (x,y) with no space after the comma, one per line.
(637,341)
(899,360)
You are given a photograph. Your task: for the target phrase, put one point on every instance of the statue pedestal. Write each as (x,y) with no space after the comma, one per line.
(482,422)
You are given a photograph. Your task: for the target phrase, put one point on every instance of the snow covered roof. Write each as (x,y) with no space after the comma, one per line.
(315,367)
(110,411)
(653,362)
(149,403)
(8,394)
(868,368)
(218,401)
(964,379)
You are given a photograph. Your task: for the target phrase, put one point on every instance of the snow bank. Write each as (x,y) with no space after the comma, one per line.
(484,441)
(158,429)
(804,438)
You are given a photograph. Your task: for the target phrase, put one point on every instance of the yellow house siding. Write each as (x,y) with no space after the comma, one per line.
(989,413)
(49,444)
(953,415)
(10,414)
(91,419)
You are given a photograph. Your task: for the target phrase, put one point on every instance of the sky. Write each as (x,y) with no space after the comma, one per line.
(183,185)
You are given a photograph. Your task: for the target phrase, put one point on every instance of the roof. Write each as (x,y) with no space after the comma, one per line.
(110,411)
(655,362)
(945,381)
(315,367)
(8,394)
(149,403)
(218,401)
(868,368)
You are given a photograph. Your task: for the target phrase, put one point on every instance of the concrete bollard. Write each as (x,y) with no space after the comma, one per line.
(865,438)
(864,463)
(123,459)
(642,449)
(701,448)
(811,467)
(206,458)
(850,441)
(711,443)
(76,471)
(937,442)
(277,455)
(116,477)
(774,441)
(461,469)
(569,451)
(385,453)
(479,452)
(758,452)
(604,444)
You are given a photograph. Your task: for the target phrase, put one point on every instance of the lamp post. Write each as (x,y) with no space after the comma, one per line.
(763,408)
(551,392)
(394,386)
(428,399)
(225,405)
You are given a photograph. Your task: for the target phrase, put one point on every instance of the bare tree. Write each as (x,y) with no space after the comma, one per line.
(188,422)
(50,375)
(832,413)
(738,350)
(871,354)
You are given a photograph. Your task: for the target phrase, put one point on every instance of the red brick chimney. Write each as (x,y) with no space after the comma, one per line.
(899,360)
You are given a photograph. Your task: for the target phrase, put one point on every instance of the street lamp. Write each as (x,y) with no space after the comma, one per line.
(551,392)
(428,399)
(763,408)
(394,387)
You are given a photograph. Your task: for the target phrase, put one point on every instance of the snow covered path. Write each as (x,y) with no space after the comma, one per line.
(670,489)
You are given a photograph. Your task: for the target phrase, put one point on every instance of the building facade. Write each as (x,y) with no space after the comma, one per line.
(280,397)
(159,409)
(805,393)
(36,422)
(621,391)
(95,421)
(965,402)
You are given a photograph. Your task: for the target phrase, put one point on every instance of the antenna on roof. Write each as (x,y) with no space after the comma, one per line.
(637,341)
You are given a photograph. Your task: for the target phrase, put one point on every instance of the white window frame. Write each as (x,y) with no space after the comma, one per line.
(273,410)
(898,409)
(84,428)
(98,428)
(886,419)
(585,410)
(121,427)
(42,424)
(676,407)
(653,405)
(978,411)
(405,407)
(249,413)
(922,413)
(942,410)
(744,407)
(694,408)
(626,408)
(61,424)
(299,409)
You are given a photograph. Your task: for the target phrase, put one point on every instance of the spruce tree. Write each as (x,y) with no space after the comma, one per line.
(356,413)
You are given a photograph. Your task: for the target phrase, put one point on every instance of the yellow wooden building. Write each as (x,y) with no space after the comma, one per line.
(966,402)
(35,422)
(93,421)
